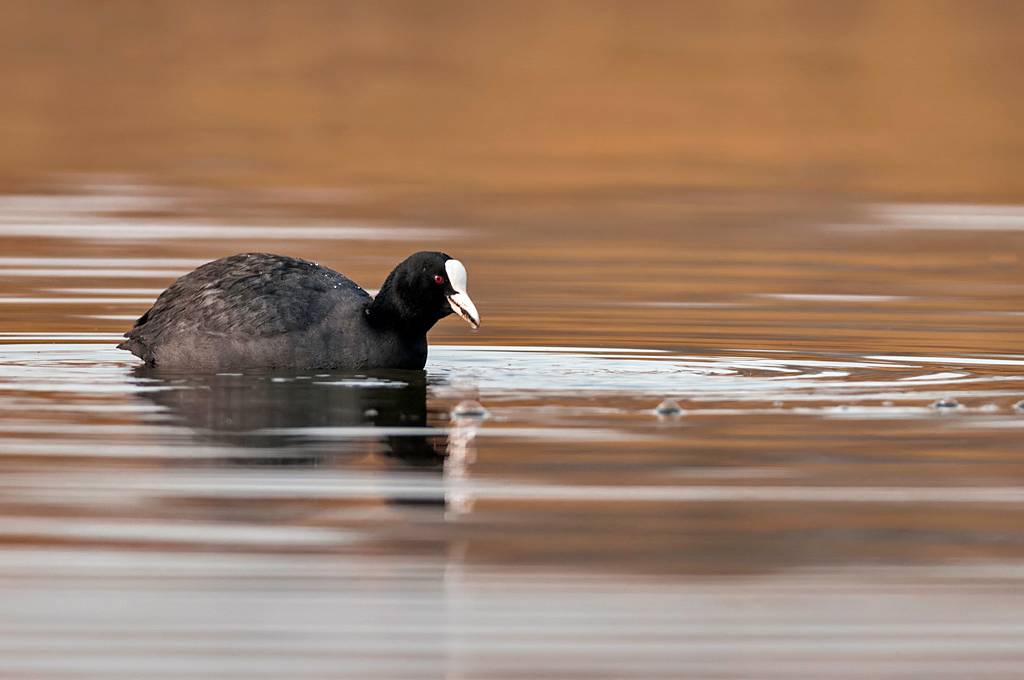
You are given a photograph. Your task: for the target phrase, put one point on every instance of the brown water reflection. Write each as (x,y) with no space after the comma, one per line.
(802,221)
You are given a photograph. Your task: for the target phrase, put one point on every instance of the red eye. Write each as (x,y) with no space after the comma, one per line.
(438,279)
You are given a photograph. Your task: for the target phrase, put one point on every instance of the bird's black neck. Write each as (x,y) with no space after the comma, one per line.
(388,311)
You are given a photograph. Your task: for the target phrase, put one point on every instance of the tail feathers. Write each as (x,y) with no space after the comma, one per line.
(138,348)
(134,343)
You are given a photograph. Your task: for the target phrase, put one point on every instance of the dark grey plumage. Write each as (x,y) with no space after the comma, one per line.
(259,310)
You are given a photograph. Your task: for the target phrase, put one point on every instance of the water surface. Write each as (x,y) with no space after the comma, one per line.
(841,495)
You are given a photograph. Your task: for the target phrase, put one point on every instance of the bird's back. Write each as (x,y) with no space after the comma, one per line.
(244,309)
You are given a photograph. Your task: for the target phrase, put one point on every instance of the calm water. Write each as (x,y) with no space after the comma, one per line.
(802,221)
(811,512)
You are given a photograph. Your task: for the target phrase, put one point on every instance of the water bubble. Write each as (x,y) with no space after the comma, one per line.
(469,409)
(668,407)
(370,412)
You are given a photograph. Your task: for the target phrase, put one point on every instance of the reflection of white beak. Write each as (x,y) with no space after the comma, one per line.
(459,300)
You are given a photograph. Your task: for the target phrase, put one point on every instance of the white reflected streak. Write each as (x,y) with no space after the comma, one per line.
(935,377)
(43,272)
(361,382)
(57,351)
(100,262)
(459,500)
(152,292)
(82,388)
(801,297)
(114,199)
(749,362)
(397,485)
(103,431)
(553,349)
(139,529)
(75,300)
(89,450)
(952,216)
(545,433)
(939,217)
(965,361)
(110,317)
(678,305)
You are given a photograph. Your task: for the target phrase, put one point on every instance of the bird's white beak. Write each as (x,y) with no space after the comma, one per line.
(459,300)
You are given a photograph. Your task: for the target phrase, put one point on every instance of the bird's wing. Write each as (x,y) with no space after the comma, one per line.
(255,294)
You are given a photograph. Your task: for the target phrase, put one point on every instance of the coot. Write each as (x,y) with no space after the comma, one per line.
(257,310)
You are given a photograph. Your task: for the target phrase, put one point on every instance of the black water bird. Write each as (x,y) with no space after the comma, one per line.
(257,310)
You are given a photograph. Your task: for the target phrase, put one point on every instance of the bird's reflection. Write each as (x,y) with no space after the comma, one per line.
(274,419)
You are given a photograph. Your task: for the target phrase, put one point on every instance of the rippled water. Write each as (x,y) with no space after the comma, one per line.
(841,494)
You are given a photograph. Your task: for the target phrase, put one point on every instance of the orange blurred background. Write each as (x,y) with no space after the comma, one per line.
(408,98)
